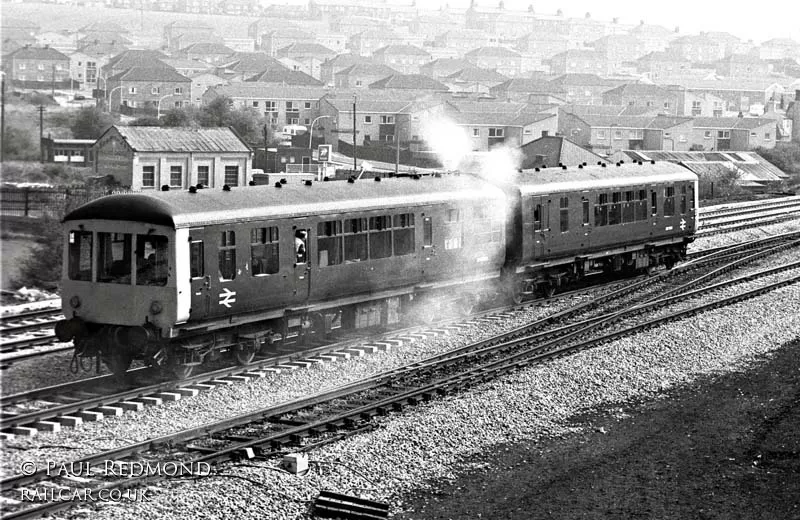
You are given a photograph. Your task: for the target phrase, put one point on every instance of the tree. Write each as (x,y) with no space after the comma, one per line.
(220,112)
(145,121)
(19,145)
(178,117)
(90,123)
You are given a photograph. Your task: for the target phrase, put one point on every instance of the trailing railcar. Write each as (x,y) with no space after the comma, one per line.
(586,220)
(171,277)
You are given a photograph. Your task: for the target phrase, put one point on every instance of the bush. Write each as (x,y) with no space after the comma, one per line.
(42,268)
(18,145)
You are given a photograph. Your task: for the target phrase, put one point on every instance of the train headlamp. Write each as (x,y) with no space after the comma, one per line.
(75,302)
(156,307)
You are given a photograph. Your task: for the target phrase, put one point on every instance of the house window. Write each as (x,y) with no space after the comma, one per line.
(175,176)
(387,120)
(601,134)
(40,66)
(753,134)
(723,134)
(476,132)
(255,104)
(367,120)
(767,136)
(178,104)
(148,176)
(617,135)
(227,255)
(637,134)
(264,251)
(307,105)
(178,90)
(132,90)
(270,106)
(202,175)
(232,175)
(496,132)
(155,90)
(291,106)
(359,83)
(21,66)
(666,105)
(707,134)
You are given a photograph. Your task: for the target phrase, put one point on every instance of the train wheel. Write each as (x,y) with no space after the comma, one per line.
(514,293)
(181,371)
(669,262)
(245,352)
(549,290)
(118,362)
(467,304)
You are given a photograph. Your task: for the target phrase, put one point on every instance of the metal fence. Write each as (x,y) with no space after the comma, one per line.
(38,202)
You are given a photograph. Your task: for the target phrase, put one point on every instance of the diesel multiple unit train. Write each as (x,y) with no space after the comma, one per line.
(172,278)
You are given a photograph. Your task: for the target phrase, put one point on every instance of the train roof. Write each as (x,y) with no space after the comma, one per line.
(556,179)
(181,209)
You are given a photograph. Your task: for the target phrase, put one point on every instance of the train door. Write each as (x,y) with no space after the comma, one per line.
(200,278)
(428,256)
(301,267)
(585,222)
(541,226)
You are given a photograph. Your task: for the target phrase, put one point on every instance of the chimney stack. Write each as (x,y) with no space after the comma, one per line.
(796,117)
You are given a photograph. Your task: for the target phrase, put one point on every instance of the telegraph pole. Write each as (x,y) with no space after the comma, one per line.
(3,119)
(397,142)
(265,148)
(41,132)
(355,167)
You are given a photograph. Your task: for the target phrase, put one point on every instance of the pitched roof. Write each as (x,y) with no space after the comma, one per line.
(370,105)
(251,61)
(100,27)
(37,53)
(208,48)
(492,51)
(104,37)
(476,74)
(580,53)
(317,49)
(409,81)
(136,57)
(102,49)
(286,77)
(160,139)
(661,56)
(341,61)
(732,122)
(247,89)
(400,49)
(638,89)
(581,79)
(368,69)
(150,74)
(527,85)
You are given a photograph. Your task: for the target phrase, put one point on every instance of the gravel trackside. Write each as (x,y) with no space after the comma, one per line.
(695,419)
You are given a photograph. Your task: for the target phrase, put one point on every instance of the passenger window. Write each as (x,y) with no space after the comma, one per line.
(264,257)
(355,239)
(563,206)
(615,209)
(641,205)
(152,260)
(486,229)
(453,229)
(197,259)
(300,246)
(380,236)
(669,201)
(601,210)
(80,256)
(114,258)
(227,256)
(628,209)
(404,236)
(329,242)
(427,232)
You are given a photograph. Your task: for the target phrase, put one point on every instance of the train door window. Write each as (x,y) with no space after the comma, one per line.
(403,230)
(690,195)
(628,209)
(585,205)
(641,205)
(654,203)
(80,256)
(683,199)
(152,260)
(453,230)
(380,236)
(114,258)
(329,242)
(669,201)
(427,232)
(615,209)
(197,259)
(227,255)
(355,240)
(264,251)
(537,217)
(601,210)
(563,206)
(546,217)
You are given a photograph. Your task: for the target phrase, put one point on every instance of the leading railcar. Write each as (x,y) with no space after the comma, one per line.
(173,278)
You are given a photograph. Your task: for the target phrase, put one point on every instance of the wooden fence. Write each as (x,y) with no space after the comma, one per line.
(38,202)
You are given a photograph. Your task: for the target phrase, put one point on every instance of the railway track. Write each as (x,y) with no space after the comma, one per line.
(747,215)
(315,420)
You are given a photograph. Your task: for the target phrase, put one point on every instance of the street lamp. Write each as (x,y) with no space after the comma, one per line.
(108,97)
(158,105)
(311,129)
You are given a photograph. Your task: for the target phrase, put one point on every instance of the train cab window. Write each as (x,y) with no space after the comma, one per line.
(669,201)
(114,258)
(585,205)
(380,236)
(227,255)
(641,205)
(80,256)
(563,206)
(654,203)
(355,240)
(197,259)
(615,209)
(683,200)
(403,230)
(264,251)
(152,260)
(453,230)
(427,232)
(329,242)
(537,217)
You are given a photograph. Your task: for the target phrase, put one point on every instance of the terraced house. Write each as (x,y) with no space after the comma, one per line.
(37,67)
(148,90)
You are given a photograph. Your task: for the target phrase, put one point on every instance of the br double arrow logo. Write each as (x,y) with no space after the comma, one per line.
(227,297)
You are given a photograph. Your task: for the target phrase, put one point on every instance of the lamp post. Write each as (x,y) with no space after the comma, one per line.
(355,165)
(311,129)
(108,97)
(158,105)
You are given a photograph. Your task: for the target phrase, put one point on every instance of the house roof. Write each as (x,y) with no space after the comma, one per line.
(491,51)
(526,85)
(318,50)
(247,89)
(37,53)
(409,81)
(102,49)
(167,74)
(476,74)
(638,89)
(580,54)
(136,57)
(104,37)
(250,62)
(208,48)
(732,122)
(368,69)
(286,77)
(581,79)
(161,139)
(18,23)
(554,148)
(177,64)
(370,105)
(341,61)
(662,56)
(400,49)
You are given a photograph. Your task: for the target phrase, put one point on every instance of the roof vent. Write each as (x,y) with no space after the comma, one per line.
(251,183)
(617,165)
(200,186)
(563,166)
(544,166)
(308,183)
(585,164)
(599,163)
(278,184)
(652,162)
(351,180)
(192,189)
(283,181)
(603,165)
(164,188)
(416,176)
(536,169)
(580,166)
(622,161)
(377,179)
(326,179)
(226,188)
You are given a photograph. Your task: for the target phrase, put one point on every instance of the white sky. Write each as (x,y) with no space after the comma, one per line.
(747,20)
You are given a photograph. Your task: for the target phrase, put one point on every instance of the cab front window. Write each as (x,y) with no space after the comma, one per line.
(152,260)
(80,255)
(114,258)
